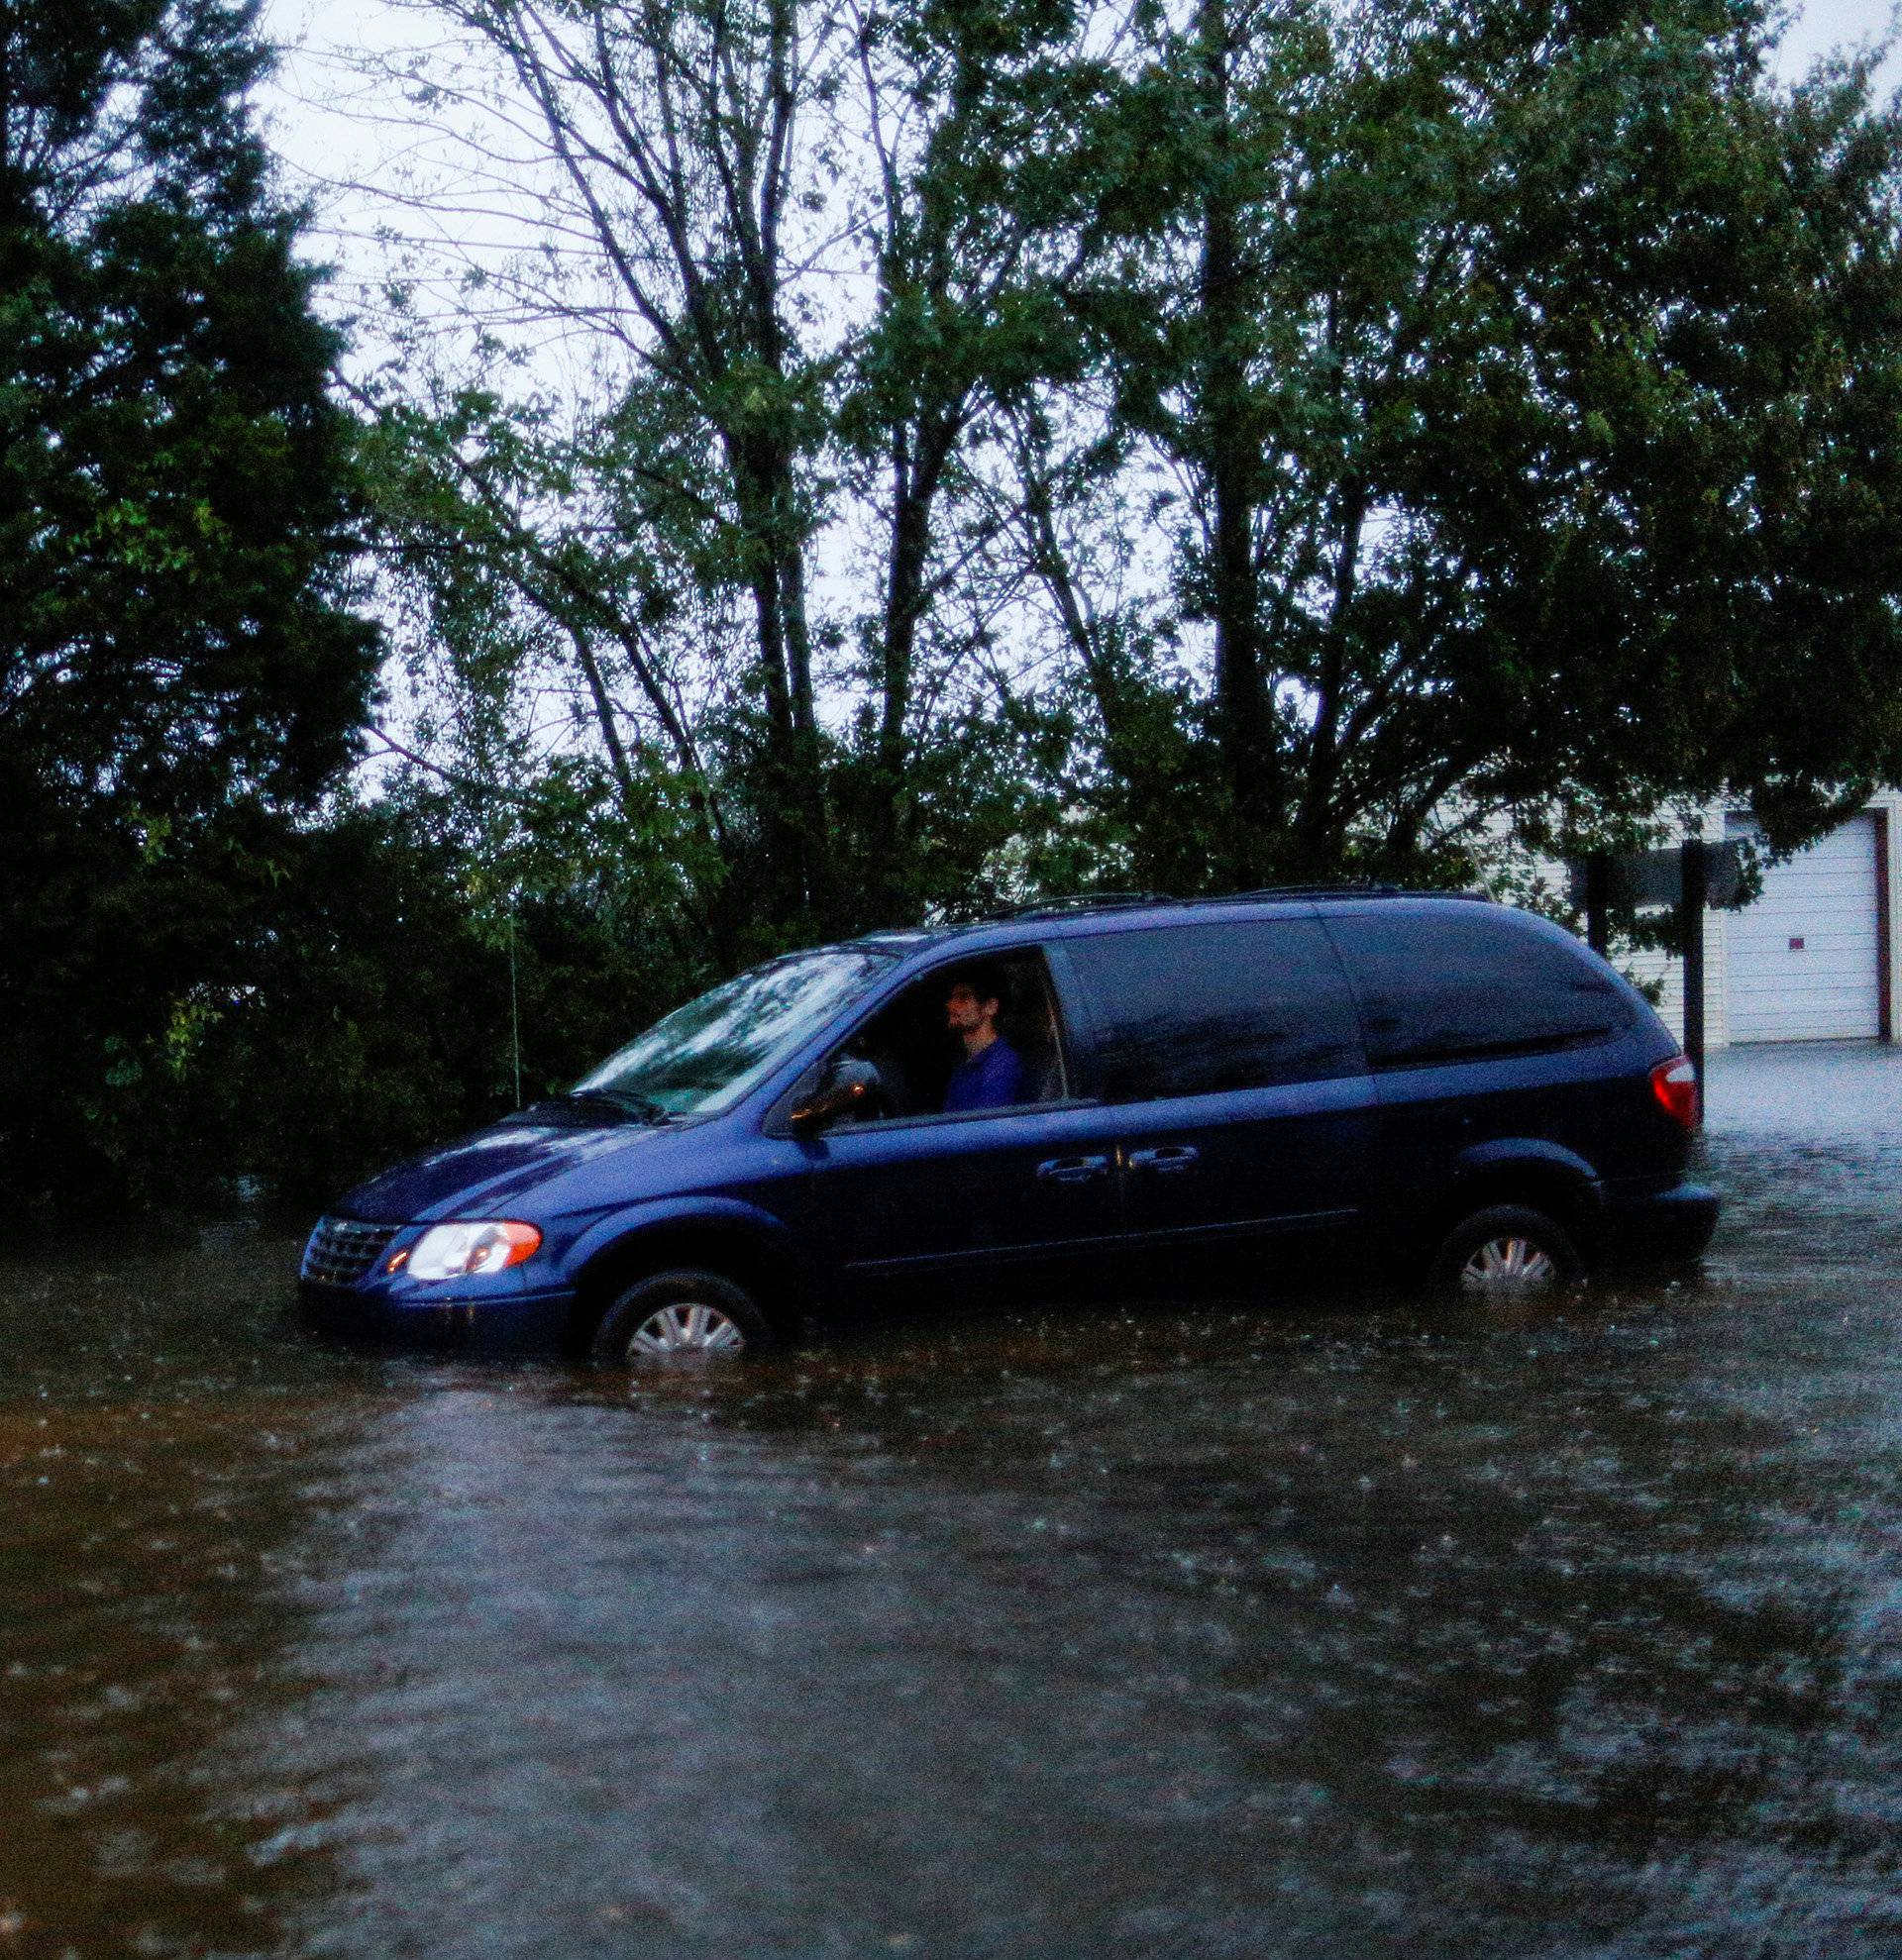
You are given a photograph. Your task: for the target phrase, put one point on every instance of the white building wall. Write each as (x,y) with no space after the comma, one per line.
(1669,968)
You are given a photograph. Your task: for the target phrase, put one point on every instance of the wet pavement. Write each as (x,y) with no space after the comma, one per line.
(1318,1626)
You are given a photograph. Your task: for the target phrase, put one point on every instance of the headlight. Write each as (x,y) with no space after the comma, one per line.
(455,1252)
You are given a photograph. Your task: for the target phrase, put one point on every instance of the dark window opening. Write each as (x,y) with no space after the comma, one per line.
(1193,1010)
(1463,982)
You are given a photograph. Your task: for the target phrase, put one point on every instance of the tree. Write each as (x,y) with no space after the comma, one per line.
(977,118)
(406,995)
(1190,443)
(810,243)
(1532,375)
(179,671)
(663,144)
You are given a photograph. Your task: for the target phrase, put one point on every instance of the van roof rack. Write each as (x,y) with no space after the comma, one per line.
(1082,901)
(1368,891)
(1065,903)
(1334,889)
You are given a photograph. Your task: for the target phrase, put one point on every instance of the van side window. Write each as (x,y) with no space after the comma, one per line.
(1460,982)
(1190,1010)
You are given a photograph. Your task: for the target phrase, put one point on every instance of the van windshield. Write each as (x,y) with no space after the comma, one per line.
(703,1057)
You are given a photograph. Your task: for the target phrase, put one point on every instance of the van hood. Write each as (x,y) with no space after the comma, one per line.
(484,1174)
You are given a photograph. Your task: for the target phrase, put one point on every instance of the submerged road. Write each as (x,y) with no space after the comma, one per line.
(1324,1626)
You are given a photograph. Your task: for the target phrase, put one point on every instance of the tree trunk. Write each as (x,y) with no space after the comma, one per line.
(1241,709)
(792,815)
(917,468)
(1318,826)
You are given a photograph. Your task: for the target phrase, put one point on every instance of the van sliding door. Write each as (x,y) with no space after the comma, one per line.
(1232,1054)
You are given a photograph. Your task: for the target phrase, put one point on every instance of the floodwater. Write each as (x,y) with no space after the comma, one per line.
(1324,1626)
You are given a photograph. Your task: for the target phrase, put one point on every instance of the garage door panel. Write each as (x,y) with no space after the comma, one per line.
(1816,925)
(1808,970)
(1812,1000)
(1826,911)
(1829,988)
(1821,963)
(1797,981)
(1821,908)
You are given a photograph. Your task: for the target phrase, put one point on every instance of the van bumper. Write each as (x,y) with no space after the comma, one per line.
(1668,1228)
(502,1323)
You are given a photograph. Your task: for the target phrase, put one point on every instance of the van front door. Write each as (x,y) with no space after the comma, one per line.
(938,1196)
(917,1192)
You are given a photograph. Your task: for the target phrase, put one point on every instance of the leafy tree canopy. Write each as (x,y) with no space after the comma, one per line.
(179,671)
(906,456)
(1532,377)
(1287,436)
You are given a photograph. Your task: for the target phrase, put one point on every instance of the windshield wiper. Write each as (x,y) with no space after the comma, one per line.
(626,1101)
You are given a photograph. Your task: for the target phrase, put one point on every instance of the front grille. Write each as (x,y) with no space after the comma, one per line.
(341,1251)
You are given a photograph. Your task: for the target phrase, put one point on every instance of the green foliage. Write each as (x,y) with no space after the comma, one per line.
(1013,446)
(1533,374)
(178,668)
(393,1005)
(1264,441)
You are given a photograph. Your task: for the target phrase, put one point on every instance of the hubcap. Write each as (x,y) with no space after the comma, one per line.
(686,1330)
(1509,1263)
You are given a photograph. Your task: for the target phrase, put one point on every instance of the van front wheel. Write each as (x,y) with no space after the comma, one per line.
(1506,1250)
(683,1314)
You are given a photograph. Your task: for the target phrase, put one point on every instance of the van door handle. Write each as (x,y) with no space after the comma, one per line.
(1164,1156)
(1073,1169)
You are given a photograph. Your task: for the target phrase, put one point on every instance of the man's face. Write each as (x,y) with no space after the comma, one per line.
(964,1012)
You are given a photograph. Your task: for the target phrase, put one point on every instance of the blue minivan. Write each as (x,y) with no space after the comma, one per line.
(1458,1089)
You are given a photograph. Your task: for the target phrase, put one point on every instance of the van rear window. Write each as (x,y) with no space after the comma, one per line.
(1190,1010)
(1456,983)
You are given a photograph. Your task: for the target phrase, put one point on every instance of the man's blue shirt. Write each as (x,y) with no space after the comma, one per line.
(992,1079)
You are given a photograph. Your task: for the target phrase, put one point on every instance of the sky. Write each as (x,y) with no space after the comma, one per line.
(329,152)
(1827,24)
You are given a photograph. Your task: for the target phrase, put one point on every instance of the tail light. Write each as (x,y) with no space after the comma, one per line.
(1674,1084)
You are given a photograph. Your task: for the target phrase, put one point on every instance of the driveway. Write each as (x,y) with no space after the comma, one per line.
(1839,1089)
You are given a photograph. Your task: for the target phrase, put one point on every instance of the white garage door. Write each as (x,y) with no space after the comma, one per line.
(1802,963)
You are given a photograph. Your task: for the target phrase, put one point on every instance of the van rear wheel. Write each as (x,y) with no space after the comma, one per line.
(681,1315)
(1507,1251)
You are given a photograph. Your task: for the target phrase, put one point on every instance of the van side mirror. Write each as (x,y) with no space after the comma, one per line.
(849,1087)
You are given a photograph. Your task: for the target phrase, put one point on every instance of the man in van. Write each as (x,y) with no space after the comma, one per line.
(992,1074)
